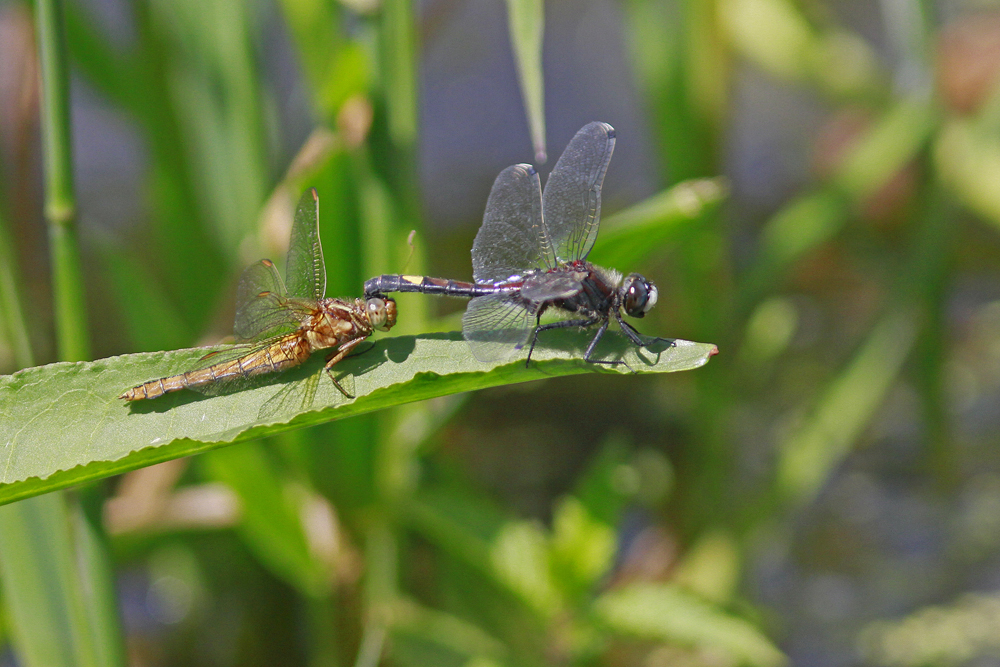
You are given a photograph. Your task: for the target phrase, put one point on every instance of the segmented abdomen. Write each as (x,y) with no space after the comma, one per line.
(425,285)
(288,351)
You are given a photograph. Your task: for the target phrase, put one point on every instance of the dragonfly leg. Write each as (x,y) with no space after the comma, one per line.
(593,346)
(630,331)
(634,336)
(565,324)
(336,356)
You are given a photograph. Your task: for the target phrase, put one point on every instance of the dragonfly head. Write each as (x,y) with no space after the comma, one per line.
(381,312)
(638,295)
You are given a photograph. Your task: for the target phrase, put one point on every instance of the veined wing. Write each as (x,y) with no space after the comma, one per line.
(305,270)
(496,325)
(262,308)
(571,205)
(254,359)
(555,285)
(512,239)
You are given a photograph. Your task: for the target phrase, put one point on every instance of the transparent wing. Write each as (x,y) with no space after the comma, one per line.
(496,326)
(549,286)
(511,239)
(262,309)
(571,205)
(232,353)
(305,270)
(295,396)
(245,351)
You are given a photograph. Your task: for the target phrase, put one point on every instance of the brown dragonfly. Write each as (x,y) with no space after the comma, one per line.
(282,323)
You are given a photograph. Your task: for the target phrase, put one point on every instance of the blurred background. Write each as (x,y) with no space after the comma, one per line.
(815,187)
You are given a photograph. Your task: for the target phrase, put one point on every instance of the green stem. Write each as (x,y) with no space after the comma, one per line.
(60,201)
(10,301)
(58,590)
(400,70)
(67,288)
(382,567)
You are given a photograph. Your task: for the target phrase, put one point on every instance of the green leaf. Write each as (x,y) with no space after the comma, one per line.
(845,407)
(582,547)
(609,481)
(435,633)
(462,524)
(519,555)
(526,19)
(630,236)
(270,517)
(665,613)
(57,586)
(887,146)
(968,159)
(64,423)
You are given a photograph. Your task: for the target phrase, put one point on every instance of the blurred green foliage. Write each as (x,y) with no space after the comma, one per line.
(583,521)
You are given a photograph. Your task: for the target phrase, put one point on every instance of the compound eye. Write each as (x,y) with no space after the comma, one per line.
(381,313)
(640,296)
(376,313)
(651,296)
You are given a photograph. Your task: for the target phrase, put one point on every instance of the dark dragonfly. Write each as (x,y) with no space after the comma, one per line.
(530,256)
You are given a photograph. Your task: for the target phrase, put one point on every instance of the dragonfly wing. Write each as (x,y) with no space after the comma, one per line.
(511,239)
(254,363)
(496,325)
(225,355)
(262,309)
(305,270)
(571,205)
(549,286)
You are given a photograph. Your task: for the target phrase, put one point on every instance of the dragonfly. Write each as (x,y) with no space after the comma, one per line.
(280,324)
(530,256)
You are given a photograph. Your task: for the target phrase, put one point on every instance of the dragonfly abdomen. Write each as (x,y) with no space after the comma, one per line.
(425,285)
(287,352)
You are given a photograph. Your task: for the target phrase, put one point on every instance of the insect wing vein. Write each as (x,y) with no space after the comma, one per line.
(305,269)
(496,325)
(551,286)
(571,204)
(512,238)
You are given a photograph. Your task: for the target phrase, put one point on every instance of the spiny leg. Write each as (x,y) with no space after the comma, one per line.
(336,356)
(593,346)
(565,324)
(635,337)
(630,331)
(534,337)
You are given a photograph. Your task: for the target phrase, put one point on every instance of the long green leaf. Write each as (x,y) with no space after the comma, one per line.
(630,237)
(270,521)
(65,424)
(49,562)
(846,406)
(526,20)
(666,613)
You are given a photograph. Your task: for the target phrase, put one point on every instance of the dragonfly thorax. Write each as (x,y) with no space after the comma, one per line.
(334,322)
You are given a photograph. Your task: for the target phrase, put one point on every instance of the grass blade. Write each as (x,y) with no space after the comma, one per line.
(526,20)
